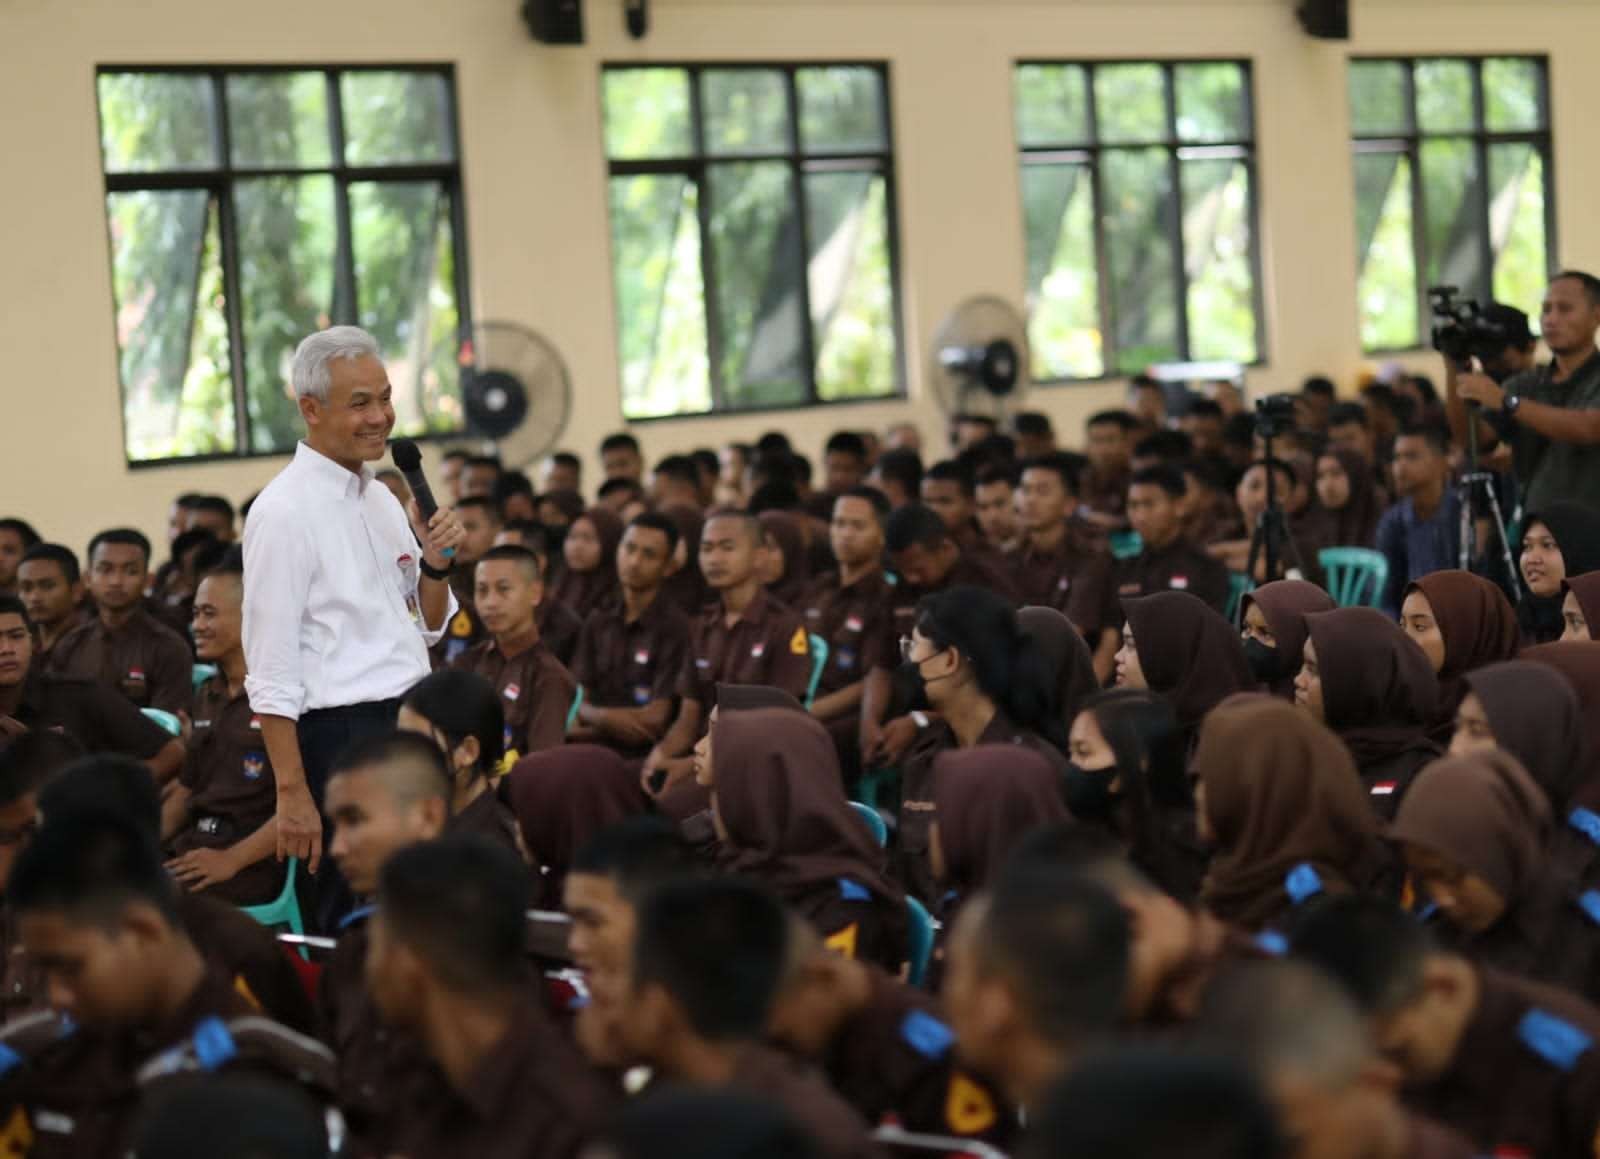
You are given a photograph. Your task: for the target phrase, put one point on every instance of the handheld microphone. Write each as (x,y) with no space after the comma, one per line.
(409,461)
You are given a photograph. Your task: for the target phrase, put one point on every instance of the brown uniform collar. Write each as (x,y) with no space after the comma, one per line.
(496,1080)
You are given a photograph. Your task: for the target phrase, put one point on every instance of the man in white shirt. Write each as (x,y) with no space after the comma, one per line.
(341,602)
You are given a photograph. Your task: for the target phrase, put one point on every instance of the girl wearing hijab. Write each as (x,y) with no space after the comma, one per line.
(1461,622)
(461,712)
(784,566)
(1281,800)
(990,684)
(1370,683)
(784,821)
(1473,831)
(1579,665)
(1066,654)
(588,577)
(1127,777)
(985,800)
(1274,630)
(1348,502)
(1580,607)
(561,798)
(1558,543)
(1192,656)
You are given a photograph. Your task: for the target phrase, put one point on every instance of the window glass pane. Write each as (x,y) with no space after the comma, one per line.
(755,247)
(1516,224)
(746,111)
(1378,98)
(1216,240)
(1052,105)
(647,113)
(1452,199)
(852,286)
(1131,102)
(1063,280)
(396,117)
(1513,94)
(172,329)
(287,240)
(278,119)
(1211,104)
(661,315)
(406,297)
(1444,96)
(153,120)
(841,110)
(1143,261)
(1387,284)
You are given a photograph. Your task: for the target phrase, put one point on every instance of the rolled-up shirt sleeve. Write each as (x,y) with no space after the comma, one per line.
(278,565)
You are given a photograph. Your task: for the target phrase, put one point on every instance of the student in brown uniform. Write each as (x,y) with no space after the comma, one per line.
(708,958)
(219,821)
(135,1002)
(1183,650)
(1580,607)
(536,688)
(481,523)
(17,536)
(1461,622)
(785,568)
(460,712)
(1109,445)
(997,509)
(24,765)
(1274,630)
(447,963)
(586,578)
(98,718)
(631,655)
(1054,567)
(1168,562)
(125,647)
(949,490)
(51,588)
(1509,1063)
(746,638)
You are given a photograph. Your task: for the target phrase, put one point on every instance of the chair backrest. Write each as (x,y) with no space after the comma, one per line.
(1357,576)
(896,1140)
(880,831)
(1239,585)
(283,910)
(921,950)
(1126,544)
(819,661)
(202,673)
(577,703)
(165,719)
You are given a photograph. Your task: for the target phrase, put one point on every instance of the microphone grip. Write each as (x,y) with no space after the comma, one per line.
(427,505)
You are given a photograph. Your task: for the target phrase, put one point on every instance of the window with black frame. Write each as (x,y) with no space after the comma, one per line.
(247,207)
(1453,187)
(1139,203)
(752,235)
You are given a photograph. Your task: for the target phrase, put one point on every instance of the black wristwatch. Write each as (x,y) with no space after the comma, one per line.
(434,573)
(1510,405)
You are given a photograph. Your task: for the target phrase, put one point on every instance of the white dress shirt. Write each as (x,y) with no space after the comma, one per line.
(331,611)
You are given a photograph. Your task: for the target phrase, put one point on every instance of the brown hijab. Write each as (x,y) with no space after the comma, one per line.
(561,798)
(1356,523)
(1285,604)
(1379,692)
(1579,662)
(1066,654)
(1189,653)
(583,592)
(1479,627)
(1587,588)
(787,532)
(779,797)
(1280,792)
(1534,715)
(985,799)
(745,697)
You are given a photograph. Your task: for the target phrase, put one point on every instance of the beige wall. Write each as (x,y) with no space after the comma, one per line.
(535,180)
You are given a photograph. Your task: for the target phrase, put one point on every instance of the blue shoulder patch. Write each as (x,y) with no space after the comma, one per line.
(359,914)
(213,1045)
(1587,823)
(1303,883)
(10,1060)
(1553,1039)
(1273,943)
(1589,903)
(852,890)
(926,1034)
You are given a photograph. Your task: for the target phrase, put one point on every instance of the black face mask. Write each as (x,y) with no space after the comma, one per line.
(909,677)
(1265,662)
(1088,792)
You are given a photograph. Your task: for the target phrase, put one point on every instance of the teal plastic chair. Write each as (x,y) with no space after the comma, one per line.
(1357,576)
(880,831)
(577,703)
(874,784)
(921,941)
(165,719)
(1239,586)
(819,661)
(283,910)
(1126,544)
(202,673)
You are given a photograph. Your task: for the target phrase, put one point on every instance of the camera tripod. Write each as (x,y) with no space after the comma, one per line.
(1466,489)
(1271,536)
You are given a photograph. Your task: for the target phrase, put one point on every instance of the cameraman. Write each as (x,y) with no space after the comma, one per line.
(1549,415)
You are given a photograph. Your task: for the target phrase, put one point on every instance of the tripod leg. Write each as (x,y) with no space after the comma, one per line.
(1505,544)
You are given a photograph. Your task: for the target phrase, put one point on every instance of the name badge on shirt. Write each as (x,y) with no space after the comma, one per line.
(255,724)
(853,624)
(1179,583)
(759,650)
(512,692)
(408,586)
(641,657)
(1128,589)
(254,765)
(136,674)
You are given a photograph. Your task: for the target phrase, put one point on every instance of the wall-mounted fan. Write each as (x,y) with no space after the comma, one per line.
(980,359)
(515,391)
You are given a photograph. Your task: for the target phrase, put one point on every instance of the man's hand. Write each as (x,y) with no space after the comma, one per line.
(893,740)
(1480,388)
(440,534)
(299,826)
(202,868)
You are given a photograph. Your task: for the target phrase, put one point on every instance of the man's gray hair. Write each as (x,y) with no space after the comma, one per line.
(310,374)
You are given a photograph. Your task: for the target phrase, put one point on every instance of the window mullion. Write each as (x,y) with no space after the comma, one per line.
(344,264)
(232,301)
(699,173)
(1419,202)
(1102,253)
(808,339)
(1180,257)
(1480,148)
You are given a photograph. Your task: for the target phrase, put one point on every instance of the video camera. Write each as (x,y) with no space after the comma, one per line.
(1275,415)
(1461,330)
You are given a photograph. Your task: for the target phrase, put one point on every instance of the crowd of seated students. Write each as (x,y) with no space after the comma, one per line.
(652,861)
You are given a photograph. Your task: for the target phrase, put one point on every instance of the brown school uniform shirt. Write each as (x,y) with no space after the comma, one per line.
(629,664)
(1106,493)
(767,645)
(1073,578)
(1180,566)
(559,628)
(535,690)
(233,789)
(145,660)
(487,816)
(801,1091)
(858,624)
(1525,1079)
(242,949)
(97,717)
(531,1097)
(968,571)
(464,629)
